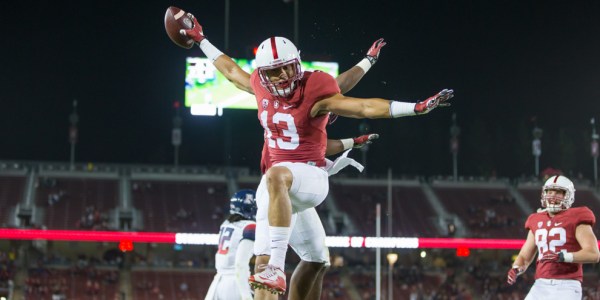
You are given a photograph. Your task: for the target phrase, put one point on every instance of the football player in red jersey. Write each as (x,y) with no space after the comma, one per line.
(293,107)
(563,238)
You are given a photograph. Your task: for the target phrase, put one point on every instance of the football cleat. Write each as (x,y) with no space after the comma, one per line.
(271,279)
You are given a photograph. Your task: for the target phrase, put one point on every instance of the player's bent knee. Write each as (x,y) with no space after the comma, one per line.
(278,177)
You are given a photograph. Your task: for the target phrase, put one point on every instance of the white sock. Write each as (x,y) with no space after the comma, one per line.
(280,237)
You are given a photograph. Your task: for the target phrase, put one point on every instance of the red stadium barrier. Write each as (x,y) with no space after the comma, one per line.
(87,236)
(211,239)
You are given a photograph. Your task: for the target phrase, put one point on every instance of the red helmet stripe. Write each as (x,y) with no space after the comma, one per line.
(556,178)
(274,48)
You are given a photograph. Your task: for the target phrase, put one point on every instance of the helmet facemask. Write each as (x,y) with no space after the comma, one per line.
(281,88)
(554,202)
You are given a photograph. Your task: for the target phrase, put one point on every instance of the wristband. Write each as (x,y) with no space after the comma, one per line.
(209,50)
(364,64)
(401,109)
(568,257)
(348,143)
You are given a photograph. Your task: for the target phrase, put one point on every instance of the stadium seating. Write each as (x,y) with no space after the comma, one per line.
(413,216)
(12,189)
(150,284)
(179,206)
(67,201)
(487,212)
(333,289)
(90,284)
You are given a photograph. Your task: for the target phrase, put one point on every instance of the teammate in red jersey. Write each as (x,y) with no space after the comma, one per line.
(294,107)
(563,239)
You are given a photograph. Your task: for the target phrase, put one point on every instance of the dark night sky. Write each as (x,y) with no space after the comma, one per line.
(507,61)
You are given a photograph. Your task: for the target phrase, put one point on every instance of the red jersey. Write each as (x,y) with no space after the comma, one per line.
(291,134)
(265,159)
(556,234)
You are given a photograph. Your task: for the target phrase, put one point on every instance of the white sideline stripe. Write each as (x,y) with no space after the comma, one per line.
(196,239)
(330,241)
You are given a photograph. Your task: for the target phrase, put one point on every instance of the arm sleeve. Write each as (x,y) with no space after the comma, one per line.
(265,159)
(528,222)
(242,267)
(586,217)
(322,85)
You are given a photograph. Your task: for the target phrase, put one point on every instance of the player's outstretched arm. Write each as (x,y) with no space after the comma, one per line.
(347,80)
(523,260)
(336,146)
(223,63)
(377,108)
(233,73)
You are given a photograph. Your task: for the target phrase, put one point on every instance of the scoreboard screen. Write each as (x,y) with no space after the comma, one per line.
(208,92)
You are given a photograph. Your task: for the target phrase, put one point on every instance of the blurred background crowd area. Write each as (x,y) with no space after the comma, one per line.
(152,198)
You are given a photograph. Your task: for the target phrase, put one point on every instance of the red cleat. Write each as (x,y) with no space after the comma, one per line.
(271,279)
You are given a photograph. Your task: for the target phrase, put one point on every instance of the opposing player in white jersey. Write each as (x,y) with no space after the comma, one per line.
(236,241)
(563,239)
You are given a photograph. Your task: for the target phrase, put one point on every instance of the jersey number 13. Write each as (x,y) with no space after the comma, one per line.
(292,139)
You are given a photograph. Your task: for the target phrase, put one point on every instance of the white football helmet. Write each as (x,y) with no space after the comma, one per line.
(556,203)
(273,53)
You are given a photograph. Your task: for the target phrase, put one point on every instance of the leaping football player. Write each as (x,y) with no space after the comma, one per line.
(293,108)
(308,269)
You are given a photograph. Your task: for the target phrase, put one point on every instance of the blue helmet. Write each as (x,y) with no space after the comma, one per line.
(243,203)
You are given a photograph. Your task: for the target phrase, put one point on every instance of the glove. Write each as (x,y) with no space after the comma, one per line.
(432,102)
(366,139)
(196,32)
(550,256)
(512,275)
(373,53)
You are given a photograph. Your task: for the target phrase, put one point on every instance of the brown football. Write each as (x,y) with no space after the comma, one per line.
(175,20)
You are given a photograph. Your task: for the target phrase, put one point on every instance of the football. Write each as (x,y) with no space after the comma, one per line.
(175,20)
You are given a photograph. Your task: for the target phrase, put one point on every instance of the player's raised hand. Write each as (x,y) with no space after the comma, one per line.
(552,256)
(366,139)
(513,273)
(440,99)
(195,33)
(373,52)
